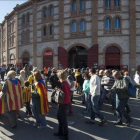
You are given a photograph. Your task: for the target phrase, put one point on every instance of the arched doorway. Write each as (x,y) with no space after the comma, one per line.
(112,58)
(25,59)
(48,59)
(77,57)
(12,59)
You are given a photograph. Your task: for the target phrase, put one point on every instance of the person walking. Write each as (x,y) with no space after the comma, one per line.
(13,99)
(95,96)
(120,87)
(3,72)
(107,81)
(137,84)
(62,108)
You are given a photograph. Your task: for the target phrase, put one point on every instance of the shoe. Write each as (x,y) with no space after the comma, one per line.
(89,122)
(41,127)
(129,122)
(35,125)
(118,123)
(14,126)
(102,122)
(57,134)
(63,137)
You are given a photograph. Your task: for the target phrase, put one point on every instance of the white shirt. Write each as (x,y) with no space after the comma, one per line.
(95,85)
(137,79)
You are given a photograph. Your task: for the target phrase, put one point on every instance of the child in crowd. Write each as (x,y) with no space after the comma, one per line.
(27,98)
(22,78)
(86,91)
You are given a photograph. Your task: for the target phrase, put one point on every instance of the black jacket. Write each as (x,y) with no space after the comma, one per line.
(54,80)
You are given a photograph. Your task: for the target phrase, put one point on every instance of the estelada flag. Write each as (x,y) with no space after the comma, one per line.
(43,97)
(14,96)
(2,104)
(27,94)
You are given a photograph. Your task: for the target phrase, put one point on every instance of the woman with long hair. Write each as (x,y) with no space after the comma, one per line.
(40,101)
(62,110)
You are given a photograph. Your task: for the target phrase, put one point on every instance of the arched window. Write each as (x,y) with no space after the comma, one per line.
(116,3)
(117,23)
(28,18)
(51,30)
(73,27)
(23,19)
(82,4)
(107,23)
(44,31)
(51,11)
(45,12)
(82,25)
(74,8)
(107,3)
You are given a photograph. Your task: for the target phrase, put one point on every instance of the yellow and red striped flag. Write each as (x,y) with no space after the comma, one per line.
(27,94)
(14,96)
(2,104)
(43,97)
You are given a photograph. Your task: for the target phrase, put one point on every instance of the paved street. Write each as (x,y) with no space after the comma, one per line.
(78,130)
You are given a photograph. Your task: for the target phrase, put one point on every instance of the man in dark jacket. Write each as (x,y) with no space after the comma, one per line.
(54,80)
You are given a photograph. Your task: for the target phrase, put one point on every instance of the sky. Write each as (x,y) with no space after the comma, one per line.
(6,6)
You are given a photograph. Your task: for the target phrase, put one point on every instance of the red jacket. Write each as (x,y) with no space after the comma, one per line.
(66,90)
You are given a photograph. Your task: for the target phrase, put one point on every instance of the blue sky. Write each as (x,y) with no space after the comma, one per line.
(6,6)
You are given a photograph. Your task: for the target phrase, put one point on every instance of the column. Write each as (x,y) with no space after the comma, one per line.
(35,33)
(94,22)
(61,23)
(132,39)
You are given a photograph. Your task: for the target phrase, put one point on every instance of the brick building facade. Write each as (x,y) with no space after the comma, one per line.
(43,32)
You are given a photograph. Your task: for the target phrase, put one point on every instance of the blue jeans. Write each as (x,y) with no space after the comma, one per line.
(88,101)
(40,119)
(104,93)
(94,108)
(120,109)
(113,99)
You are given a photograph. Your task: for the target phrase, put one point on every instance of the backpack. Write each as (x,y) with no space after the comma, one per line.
(131,90)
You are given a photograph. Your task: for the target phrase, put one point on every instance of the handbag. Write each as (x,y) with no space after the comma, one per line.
(2,95)
(131,90)
(57,96)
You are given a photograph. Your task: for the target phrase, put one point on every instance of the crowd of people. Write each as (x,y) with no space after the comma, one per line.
(93,85)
